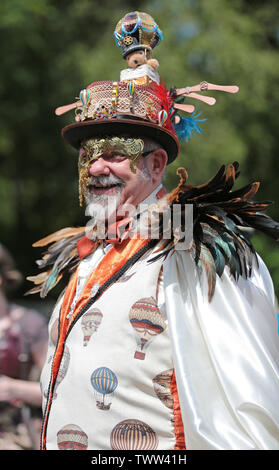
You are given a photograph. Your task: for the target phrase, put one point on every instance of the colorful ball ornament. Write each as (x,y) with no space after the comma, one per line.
(162,117)
(131,88)
(84,96)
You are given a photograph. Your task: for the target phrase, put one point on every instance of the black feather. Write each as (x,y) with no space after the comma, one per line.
(219,217)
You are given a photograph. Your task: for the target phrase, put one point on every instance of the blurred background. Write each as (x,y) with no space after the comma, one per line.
(50,50)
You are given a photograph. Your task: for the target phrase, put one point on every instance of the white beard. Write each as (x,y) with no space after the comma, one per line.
(102,207)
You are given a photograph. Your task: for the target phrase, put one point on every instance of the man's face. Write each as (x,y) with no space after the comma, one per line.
(113,182)
(111,175)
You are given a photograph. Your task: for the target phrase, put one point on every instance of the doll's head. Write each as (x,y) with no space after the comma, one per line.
(139,57)
(136,58)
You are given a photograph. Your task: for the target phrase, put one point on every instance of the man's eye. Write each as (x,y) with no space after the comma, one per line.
(117,157)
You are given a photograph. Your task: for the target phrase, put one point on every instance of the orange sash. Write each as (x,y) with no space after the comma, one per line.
(178,423)
(116,257)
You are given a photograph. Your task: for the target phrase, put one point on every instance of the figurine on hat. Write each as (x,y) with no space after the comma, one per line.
(205,317)
(136,34)
(139,101)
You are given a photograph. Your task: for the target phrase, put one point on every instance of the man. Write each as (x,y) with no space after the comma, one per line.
(160,341)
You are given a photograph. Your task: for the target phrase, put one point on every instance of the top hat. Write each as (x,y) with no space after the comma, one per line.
(108,108)
(119,108)
(128,107)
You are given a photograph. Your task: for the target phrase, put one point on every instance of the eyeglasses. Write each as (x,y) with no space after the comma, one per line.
(144,154)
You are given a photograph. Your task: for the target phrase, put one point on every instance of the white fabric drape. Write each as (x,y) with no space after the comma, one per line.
(226,357)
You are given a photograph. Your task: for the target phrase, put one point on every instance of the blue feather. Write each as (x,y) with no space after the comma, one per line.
(187,127)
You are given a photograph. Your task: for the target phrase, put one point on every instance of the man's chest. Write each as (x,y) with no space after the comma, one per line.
(117,366)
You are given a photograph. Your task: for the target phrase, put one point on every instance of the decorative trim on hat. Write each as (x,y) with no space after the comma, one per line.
(107,99)
(140,95)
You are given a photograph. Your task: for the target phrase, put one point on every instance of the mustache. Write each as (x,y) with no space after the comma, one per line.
(103,181)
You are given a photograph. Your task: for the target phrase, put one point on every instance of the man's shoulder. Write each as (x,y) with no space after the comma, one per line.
(182,267)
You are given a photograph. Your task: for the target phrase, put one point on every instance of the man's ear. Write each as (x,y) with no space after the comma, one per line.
(156,163)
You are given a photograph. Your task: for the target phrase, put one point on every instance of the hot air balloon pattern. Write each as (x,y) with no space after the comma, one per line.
(72,437)
(133,434)
(147,321)
(104,383)
(62,369)
(54,333)
(90,323)
(162,383)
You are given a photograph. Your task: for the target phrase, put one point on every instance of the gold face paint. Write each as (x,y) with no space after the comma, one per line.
(128,147)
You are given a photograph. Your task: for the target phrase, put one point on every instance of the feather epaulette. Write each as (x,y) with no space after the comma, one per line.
(220,217)
(61,258)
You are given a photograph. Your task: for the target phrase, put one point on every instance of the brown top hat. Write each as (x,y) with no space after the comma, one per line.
(138,105)
(120,108)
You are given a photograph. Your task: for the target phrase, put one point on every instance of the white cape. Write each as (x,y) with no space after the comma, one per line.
(226,357)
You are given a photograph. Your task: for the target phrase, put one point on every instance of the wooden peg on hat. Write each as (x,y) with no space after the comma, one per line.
(188,108)
(84,98)
(204,86)
(206,99)
(67,107)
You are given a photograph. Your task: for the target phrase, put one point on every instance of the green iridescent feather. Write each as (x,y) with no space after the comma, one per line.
(221,217)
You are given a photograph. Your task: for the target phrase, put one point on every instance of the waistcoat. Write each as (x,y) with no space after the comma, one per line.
(115,387)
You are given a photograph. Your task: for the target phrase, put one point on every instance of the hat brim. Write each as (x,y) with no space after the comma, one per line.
(75,133)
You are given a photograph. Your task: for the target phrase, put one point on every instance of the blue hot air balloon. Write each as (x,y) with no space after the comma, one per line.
(104,382)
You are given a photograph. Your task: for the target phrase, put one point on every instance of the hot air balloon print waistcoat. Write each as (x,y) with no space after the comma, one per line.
(114,387)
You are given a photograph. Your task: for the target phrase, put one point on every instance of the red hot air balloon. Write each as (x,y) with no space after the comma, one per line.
(162,384)
(62,369)
(54,332)
(53,336)
(72,437)
(90,323)
(148,322)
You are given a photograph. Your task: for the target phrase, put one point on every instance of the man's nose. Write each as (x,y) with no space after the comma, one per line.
(99,167)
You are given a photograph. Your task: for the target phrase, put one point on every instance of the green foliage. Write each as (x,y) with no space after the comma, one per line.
(51,50)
